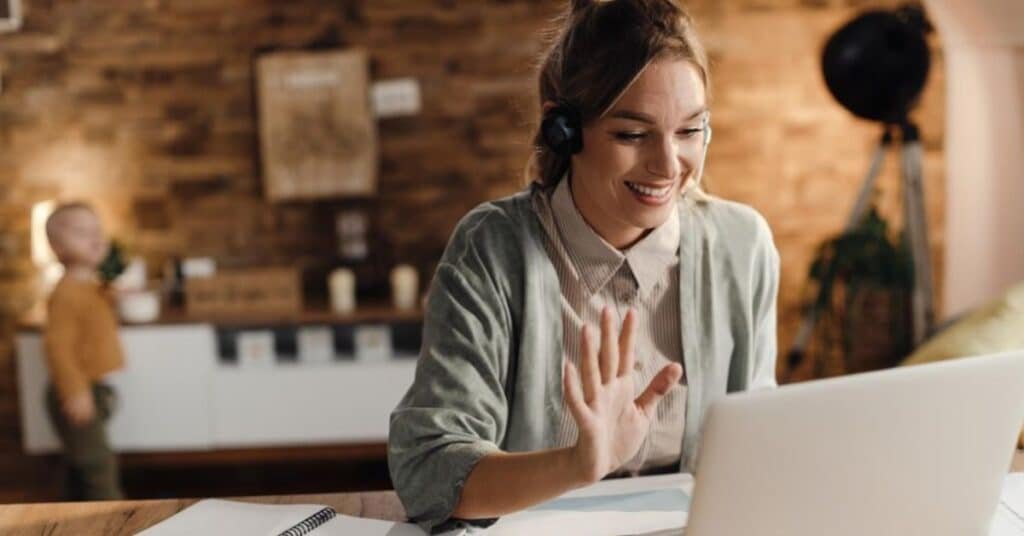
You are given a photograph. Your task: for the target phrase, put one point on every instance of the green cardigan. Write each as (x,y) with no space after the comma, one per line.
(489,375)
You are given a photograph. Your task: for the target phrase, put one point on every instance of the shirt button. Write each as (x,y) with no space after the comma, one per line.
(638,366)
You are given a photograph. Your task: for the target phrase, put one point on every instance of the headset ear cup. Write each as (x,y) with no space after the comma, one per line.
(562,131)
(554,132)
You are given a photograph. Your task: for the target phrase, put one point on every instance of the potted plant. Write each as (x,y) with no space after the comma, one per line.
(865,280)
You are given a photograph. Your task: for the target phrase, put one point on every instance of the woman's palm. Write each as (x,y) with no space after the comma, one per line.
(612,421)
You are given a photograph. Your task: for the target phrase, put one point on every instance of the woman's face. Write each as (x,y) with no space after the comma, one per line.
(637,156)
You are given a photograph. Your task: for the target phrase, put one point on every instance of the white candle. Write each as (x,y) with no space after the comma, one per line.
(404,287)
(342,285)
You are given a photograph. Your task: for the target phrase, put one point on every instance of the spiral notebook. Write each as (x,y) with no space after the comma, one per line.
(217,517)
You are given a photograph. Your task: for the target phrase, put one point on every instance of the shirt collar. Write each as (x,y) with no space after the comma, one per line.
(655,253)
(597,261)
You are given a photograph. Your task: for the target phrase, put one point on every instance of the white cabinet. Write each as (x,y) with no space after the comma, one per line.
(175,395)
(164,390)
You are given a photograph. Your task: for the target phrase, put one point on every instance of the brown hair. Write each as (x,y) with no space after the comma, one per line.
(598,48)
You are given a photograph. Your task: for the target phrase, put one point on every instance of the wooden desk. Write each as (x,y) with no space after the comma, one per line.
(117,518)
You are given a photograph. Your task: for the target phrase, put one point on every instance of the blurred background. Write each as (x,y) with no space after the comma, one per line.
(280,179)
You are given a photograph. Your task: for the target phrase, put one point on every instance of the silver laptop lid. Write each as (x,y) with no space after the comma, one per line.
(915,450)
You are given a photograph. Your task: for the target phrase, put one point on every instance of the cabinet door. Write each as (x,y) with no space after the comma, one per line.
(37,435)
(164,390)
(306,403)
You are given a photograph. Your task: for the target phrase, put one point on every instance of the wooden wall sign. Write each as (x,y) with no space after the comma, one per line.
(317,131)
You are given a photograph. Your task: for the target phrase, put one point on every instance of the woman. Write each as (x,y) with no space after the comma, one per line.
(582,327)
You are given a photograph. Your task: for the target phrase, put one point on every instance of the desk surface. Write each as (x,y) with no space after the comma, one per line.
(128,517)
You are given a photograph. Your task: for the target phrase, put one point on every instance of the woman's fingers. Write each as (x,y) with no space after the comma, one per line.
(626,357)
(660,384)
(591,375)
(573,392)
(609,347)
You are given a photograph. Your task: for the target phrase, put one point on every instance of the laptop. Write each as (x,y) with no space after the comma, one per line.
(913,450)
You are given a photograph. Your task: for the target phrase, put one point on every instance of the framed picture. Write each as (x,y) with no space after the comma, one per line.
(315,344)
(373,343)
(318,136)
(255,348)
(10,15)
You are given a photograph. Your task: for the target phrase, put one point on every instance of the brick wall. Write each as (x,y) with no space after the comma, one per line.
(146,109)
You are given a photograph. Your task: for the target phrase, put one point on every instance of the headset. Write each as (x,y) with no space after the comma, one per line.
(562,129)
(562,132)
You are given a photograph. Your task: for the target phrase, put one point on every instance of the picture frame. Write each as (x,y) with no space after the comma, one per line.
(373,342)
(255,349)
(318,134)
(315,344)
(10,15)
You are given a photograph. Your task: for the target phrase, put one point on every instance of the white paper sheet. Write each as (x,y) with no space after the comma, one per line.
(1013,492)
(231,518)
(1009,518)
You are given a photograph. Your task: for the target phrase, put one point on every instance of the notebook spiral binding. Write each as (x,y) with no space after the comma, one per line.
(311,523)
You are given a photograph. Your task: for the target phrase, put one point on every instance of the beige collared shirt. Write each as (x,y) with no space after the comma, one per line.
(593,274)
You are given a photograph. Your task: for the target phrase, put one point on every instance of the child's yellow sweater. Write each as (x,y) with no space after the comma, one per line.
(81,339)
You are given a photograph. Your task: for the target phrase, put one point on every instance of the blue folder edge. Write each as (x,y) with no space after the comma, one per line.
(660,500)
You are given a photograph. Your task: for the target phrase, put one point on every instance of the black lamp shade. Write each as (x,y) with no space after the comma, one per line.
(877,64)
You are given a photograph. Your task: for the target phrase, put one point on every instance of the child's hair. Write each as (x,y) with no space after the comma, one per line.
(598,48)
(53,222)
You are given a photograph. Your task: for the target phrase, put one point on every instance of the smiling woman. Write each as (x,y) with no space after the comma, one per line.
(582,327)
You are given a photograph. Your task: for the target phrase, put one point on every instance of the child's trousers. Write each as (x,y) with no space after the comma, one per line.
(92,469)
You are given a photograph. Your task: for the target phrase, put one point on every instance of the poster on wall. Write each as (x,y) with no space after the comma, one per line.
(318,136)
(10,15)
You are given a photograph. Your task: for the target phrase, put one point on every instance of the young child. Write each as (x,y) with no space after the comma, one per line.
(81,343)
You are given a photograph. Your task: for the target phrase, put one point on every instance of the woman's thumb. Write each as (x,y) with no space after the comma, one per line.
(666,379)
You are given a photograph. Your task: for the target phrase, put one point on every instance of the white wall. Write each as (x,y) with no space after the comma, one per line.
(983,42)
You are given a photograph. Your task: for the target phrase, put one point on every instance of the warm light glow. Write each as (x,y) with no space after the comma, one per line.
(42,254)
(74,169)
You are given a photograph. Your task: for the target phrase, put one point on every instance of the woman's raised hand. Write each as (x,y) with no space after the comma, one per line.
(612,422)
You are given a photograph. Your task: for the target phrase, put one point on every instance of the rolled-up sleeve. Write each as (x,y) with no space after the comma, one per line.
(455,412)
